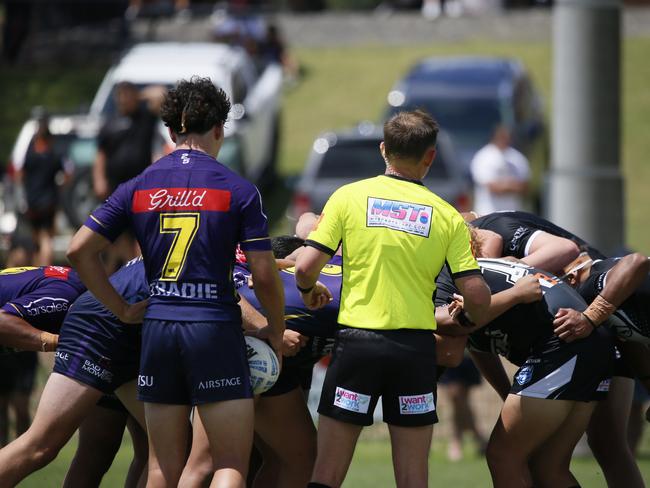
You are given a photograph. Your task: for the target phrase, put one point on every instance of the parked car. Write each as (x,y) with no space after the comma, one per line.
(252,130)
(470,96)
(338,158)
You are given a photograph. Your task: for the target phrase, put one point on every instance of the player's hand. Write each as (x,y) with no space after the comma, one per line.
(292,342)
(275,340)
(570,325)
(528,289)
(456,306)
(133,313)
(318,297)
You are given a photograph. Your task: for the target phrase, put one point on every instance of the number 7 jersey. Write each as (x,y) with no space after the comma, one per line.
(188,213)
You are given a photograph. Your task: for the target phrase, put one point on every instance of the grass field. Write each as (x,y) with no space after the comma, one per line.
(370,468)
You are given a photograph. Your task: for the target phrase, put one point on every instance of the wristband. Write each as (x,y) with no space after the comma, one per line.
(304,290)
(48,341)
(598,311)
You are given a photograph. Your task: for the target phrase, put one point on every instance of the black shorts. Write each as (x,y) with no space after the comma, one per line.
(465,373)
(18,371)
(111,402)
(576,371)
(41,218)
(398,365)
(292,377)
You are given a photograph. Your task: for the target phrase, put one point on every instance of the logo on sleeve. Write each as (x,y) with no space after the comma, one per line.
(411,218)
(351,400)
(416,404)
(46,305)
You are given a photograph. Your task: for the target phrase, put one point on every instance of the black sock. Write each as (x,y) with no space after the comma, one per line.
(313,484)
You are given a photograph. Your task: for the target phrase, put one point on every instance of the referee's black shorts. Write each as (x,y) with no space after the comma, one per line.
(398,365)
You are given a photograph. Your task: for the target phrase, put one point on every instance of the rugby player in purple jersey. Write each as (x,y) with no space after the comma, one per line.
(34,302)
(188,212)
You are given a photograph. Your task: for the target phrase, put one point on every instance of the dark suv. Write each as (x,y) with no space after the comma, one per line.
(469,97)
(339,158)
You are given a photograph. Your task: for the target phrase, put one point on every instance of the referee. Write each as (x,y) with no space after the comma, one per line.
(397,235)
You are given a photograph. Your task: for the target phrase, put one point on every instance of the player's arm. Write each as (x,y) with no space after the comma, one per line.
(270,293)
(508,185)
(309,264)
(450,350)
(84,255)
(526,290)
(622,280)
(550,252)
(19,334)
(492,369)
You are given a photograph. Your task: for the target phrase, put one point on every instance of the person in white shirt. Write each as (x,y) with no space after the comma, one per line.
(500,174)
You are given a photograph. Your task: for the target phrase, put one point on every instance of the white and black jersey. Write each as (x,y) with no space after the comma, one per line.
(549,367)
(518,230)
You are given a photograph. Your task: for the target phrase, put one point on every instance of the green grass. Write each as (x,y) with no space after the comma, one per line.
(371,467)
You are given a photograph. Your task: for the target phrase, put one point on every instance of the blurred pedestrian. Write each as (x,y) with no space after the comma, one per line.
(125,147)
(42,165)
(16,385)
(501,175)
(457,383)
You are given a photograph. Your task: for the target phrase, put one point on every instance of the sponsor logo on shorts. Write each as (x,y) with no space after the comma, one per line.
(63,356)
(98,371)
(184,290)
(351,400)
(220,383)
(416,404)
(37,307)
(411,218)
(144,380)
(604,385)
(524,376)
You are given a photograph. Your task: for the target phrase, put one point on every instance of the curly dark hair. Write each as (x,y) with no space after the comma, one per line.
(194,106)
(284,245)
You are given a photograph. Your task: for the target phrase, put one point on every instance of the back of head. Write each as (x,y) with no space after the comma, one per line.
(408,135)
(284,245)
(195,106)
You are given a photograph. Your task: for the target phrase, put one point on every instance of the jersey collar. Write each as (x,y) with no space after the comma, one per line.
(417,182)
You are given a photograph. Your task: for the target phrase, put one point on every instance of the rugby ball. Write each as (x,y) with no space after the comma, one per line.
(263,364)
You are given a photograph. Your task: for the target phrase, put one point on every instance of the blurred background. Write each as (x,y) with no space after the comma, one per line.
(311,83)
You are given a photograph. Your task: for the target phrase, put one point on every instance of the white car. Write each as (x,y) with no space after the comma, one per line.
(252,129)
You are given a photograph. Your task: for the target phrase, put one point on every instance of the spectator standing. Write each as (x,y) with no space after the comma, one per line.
(501,175)
(397,235)
(16,386)
(38,176)
(125,145)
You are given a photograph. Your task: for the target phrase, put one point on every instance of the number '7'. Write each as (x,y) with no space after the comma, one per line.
(184,227)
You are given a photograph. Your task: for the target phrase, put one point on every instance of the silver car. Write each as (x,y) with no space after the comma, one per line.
(338,158)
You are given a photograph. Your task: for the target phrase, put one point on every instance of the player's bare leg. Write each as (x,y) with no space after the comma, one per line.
(336,443)
(100,437)
(229,426)
(524,424)
(278,418)
(410,446)
(63,405)
(168,432)
(127,394)
(551,462)
(198,470)
(607,435)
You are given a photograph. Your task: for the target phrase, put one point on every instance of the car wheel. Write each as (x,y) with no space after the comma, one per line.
(79,199)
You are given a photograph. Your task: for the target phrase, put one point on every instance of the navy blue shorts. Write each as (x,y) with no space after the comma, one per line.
(96,349)
(292,377)
(190,363)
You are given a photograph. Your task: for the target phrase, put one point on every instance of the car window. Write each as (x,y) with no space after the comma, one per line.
(362,159)
(470,121)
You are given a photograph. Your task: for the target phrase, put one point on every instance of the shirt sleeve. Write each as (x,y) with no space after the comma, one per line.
(328,233)
(445,289)
(484,166)
(254,233)
(114,216)
(459,257)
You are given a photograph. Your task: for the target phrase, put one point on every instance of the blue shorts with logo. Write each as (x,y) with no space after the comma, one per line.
(97,349)
(191,363)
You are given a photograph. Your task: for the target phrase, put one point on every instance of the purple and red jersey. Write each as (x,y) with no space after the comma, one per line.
(40,296)
(188,213)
